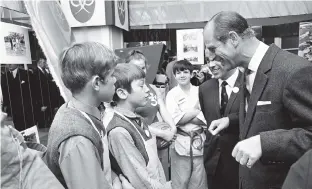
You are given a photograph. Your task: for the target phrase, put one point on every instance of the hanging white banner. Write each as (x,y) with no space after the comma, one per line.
(53,34)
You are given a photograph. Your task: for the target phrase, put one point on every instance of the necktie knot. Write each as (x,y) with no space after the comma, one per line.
(247,72)
(224,98)
(224,83)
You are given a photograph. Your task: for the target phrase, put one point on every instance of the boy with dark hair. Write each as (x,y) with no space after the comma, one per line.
(77,151)
(187,167)
(131,143)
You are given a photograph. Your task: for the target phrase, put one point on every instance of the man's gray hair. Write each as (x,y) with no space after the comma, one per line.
(227,21)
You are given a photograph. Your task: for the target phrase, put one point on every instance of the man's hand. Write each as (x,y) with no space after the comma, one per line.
(218,125)
(201,77)
(43,108)
(125,183)
(248,151)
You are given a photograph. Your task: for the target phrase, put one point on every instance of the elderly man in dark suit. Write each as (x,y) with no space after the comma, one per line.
(219,101)
(275,111)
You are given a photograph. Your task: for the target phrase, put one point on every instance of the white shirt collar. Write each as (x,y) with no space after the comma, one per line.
(14,72)
(231,80)
(257,57)
(40,68)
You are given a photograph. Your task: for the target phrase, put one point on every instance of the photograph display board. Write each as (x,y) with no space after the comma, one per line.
(190,45)
(305,40)
(14,44)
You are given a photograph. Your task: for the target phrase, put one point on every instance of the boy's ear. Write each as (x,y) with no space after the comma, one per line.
(122,93)
(96,81)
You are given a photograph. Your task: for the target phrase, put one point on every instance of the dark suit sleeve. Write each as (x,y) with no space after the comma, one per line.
(201,103)
(5,89)
(290,145)
(233,118)
(300,173)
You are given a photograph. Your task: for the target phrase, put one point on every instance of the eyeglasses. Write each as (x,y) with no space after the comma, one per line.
(216,58)
(133,52)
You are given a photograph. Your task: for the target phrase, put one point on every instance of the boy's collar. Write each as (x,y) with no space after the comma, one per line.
(92,110)
(126,112)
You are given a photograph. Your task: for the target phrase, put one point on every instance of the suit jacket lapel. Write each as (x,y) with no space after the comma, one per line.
(241,109)
(261,81)
(259,85)
(233,95)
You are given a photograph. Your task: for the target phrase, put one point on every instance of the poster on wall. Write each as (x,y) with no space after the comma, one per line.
(84,13)
(305,40)
(14,44)
(190,45)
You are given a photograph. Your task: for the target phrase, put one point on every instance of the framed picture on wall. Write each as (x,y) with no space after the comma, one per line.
(14,44)
(190,46)
(305,40)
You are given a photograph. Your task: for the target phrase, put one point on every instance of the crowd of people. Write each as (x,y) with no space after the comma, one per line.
(249,127)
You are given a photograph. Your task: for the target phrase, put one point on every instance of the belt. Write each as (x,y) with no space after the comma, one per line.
(192,136)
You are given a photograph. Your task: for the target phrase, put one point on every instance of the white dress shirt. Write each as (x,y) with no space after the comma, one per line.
(230,85)
(14,72)
(254,65)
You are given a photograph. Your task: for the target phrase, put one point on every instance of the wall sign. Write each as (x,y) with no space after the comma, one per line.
(121,14)
(80,13)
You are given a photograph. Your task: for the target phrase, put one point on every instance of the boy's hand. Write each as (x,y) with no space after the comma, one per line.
(169,136)
(160,92)
(125,183)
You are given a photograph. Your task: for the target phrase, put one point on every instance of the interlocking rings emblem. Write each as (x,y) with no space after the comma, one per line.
(82,10)
(121,6)
(81,4)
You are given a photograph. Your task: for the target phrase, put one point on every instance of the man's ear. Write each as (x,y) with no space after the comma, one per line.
(234,37)
(122,93)
(96,81)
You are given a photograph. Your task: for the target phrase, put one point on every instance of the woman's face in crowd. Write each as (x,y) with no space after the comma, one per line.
(140,63)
